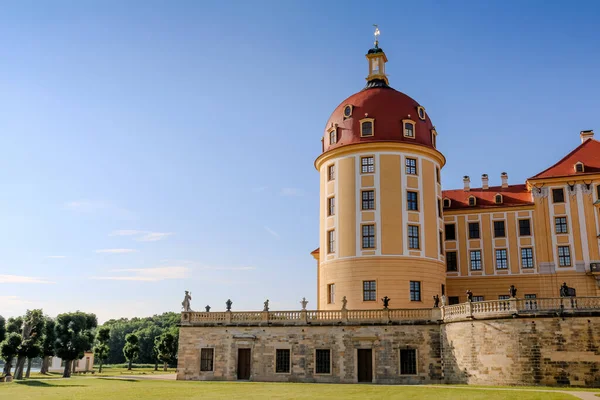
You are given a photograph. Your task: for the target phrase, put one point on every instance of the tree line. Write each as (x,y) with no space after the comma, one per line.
(69,335)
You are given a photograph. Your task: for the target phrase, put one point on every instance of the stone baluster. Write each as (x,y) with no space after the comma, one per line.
(228,316)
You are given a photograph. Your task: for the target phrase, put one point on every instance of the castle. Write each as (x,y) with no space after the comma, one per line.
(445,258)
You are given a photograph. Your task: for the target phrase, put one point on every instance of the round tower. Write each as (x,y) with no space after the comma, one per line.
(380,200)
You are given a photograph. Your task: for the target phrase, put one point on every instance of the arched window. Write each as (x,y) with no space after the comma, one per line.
(472,201)
(498,199)
(447,203)
(579,167)
(367,127)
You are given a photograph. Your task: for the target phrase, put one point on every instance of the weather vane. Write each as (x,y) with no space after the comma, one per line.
(377,33)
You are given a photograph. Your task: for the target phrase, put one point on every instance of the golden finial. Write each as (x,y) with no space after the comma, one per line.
(377,33)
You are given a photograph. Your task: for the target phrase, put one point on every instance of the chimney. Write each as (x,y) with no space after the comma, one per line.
(504,177)
(586,135)
(467,182)
(484,182)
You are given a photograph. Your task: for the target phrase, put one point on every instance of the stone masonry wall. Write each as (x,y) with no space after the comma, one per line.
(384,340)
(523,351)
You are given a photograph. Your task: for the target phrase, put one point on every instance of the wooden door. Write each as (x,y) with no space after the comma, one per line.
(365,365)
(243,369)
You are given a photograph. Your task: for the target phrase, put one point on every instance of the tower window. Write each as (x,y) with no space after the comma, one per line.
(450,230)
(579,167)
(441,242)
(331,172)
(367,165)
(498,199)
(446,203)
(564,256)
(501,259)
(331,206)
(415,291)
(282,361)
(411,166)
(413,237)
(598,191)
(333,136)
(439,204)
(366,127)
(421,112)
(451,261)
(527,257)
(473,230)
(331,293)
(472,201)
(331,241)
(524,227)
(433,138)
(368,200)
(347,111)
(475,260)
(369,291)
(561,224)
(409,129)
(499,229)
(411,201)
(558,195)
(368,236)
(437,175)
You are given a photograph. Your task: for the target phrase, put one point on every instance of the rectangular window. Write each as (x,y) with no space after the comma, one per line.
(524,227)
(473,230)
(369,291)
(450,230)
(411,201)
(477,298)
(368,200)
(451,261)
(333,136)
(323,361)
(441,242)
(558,195)
(531,296)
(408,361)
(331,206)
(331,241)
(437,175)
(331,172)
(475,260)
(439,208)
(411,166)
(598,192)
(413,237)
(367,165)
(282,361)
(206,359)
(527,257)
(564,256)
(366,128)
(499,230)
(501,259)
(415,291)
(368,236)
(452,300)
(331,293)
(409,130)
(561,224)
(503,297)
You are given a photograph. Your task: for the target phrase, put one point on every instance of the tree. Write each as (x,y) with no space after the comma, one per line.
(8,350)
(48,344)
(73,337)
(166,348)
(14,325)
(132,348)
(31,334)
(2,329)
(101,349)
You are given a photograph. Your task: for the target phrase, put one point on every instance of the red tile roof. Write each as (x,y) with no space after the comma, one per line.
(512,196)
(588,153)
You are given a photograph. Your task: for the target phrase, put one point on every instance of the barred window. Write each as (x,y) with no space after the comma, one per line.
(561,224)
(475,260)
(499,230)
(564,256)
(331,241)
(411,201)
(450,230)
(473,230)
(411,166)
(451,261)
(367,165)
(206,359)
(368,236)
(524,227)
(331,172)
(368,200)
(323,361)
(282,361)
(501,259)
(369,290)
(413,237)
(527,257)
(408,361)
(415,291)
(331,206)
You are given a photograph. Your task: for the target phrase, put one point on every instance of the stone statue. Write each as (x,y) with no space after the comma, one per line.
(228,303)
(386,302)
(266,305)
(207,308)
(564,290)
(436,301)
(469,295)
(186,302)
(512,291)
(443,300)
(304,302)
(344,302)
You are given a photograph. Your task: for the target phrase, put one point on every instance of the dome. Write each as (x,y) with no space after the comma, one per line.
(389,109)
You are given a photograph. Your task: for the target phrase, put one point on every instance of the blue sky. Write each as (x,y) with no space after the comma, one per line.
(151,147)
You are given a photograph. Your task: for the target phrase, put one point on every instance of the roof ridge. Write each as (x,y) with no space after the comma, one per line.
(576,149)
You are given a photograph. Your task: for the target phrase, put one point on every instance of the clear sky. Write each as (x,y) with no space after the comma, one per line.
(149,147)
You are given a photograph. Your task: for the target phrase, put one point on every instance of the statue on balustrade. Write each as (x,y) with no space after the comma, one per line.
(386,302)
(266,305)
(344,302)
(185,304)
(228,303)
(469,295)
(566,291)
(512,291)
(436,301)
(443,300)
(304,302)
(207,308)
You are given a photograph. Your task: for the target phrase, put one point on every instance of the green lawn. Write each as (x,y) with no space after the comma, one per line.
(86,388)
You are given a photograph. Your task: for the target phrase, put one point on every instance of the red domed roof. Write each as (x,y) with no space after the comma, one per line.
(388,108)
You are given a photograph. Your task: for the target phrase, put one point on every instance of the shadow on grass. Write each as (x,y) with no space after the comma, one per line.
(119,378)
(43,384)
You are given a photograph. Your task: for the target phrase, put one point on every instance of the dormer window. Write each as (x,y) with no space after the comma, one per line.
(333,136)
(579,167)
(408,127)
(447,203)
(347,111)
(421,113)
(366,127)
(433,138)
(472,201)
(498,199)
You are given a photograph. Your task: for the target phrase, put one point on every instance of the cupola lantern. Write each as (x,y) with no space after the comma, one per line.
(377,60)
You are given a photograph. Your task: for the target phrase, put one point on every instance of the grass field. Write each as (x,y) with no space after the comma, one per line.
(108,371)
(86,388)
